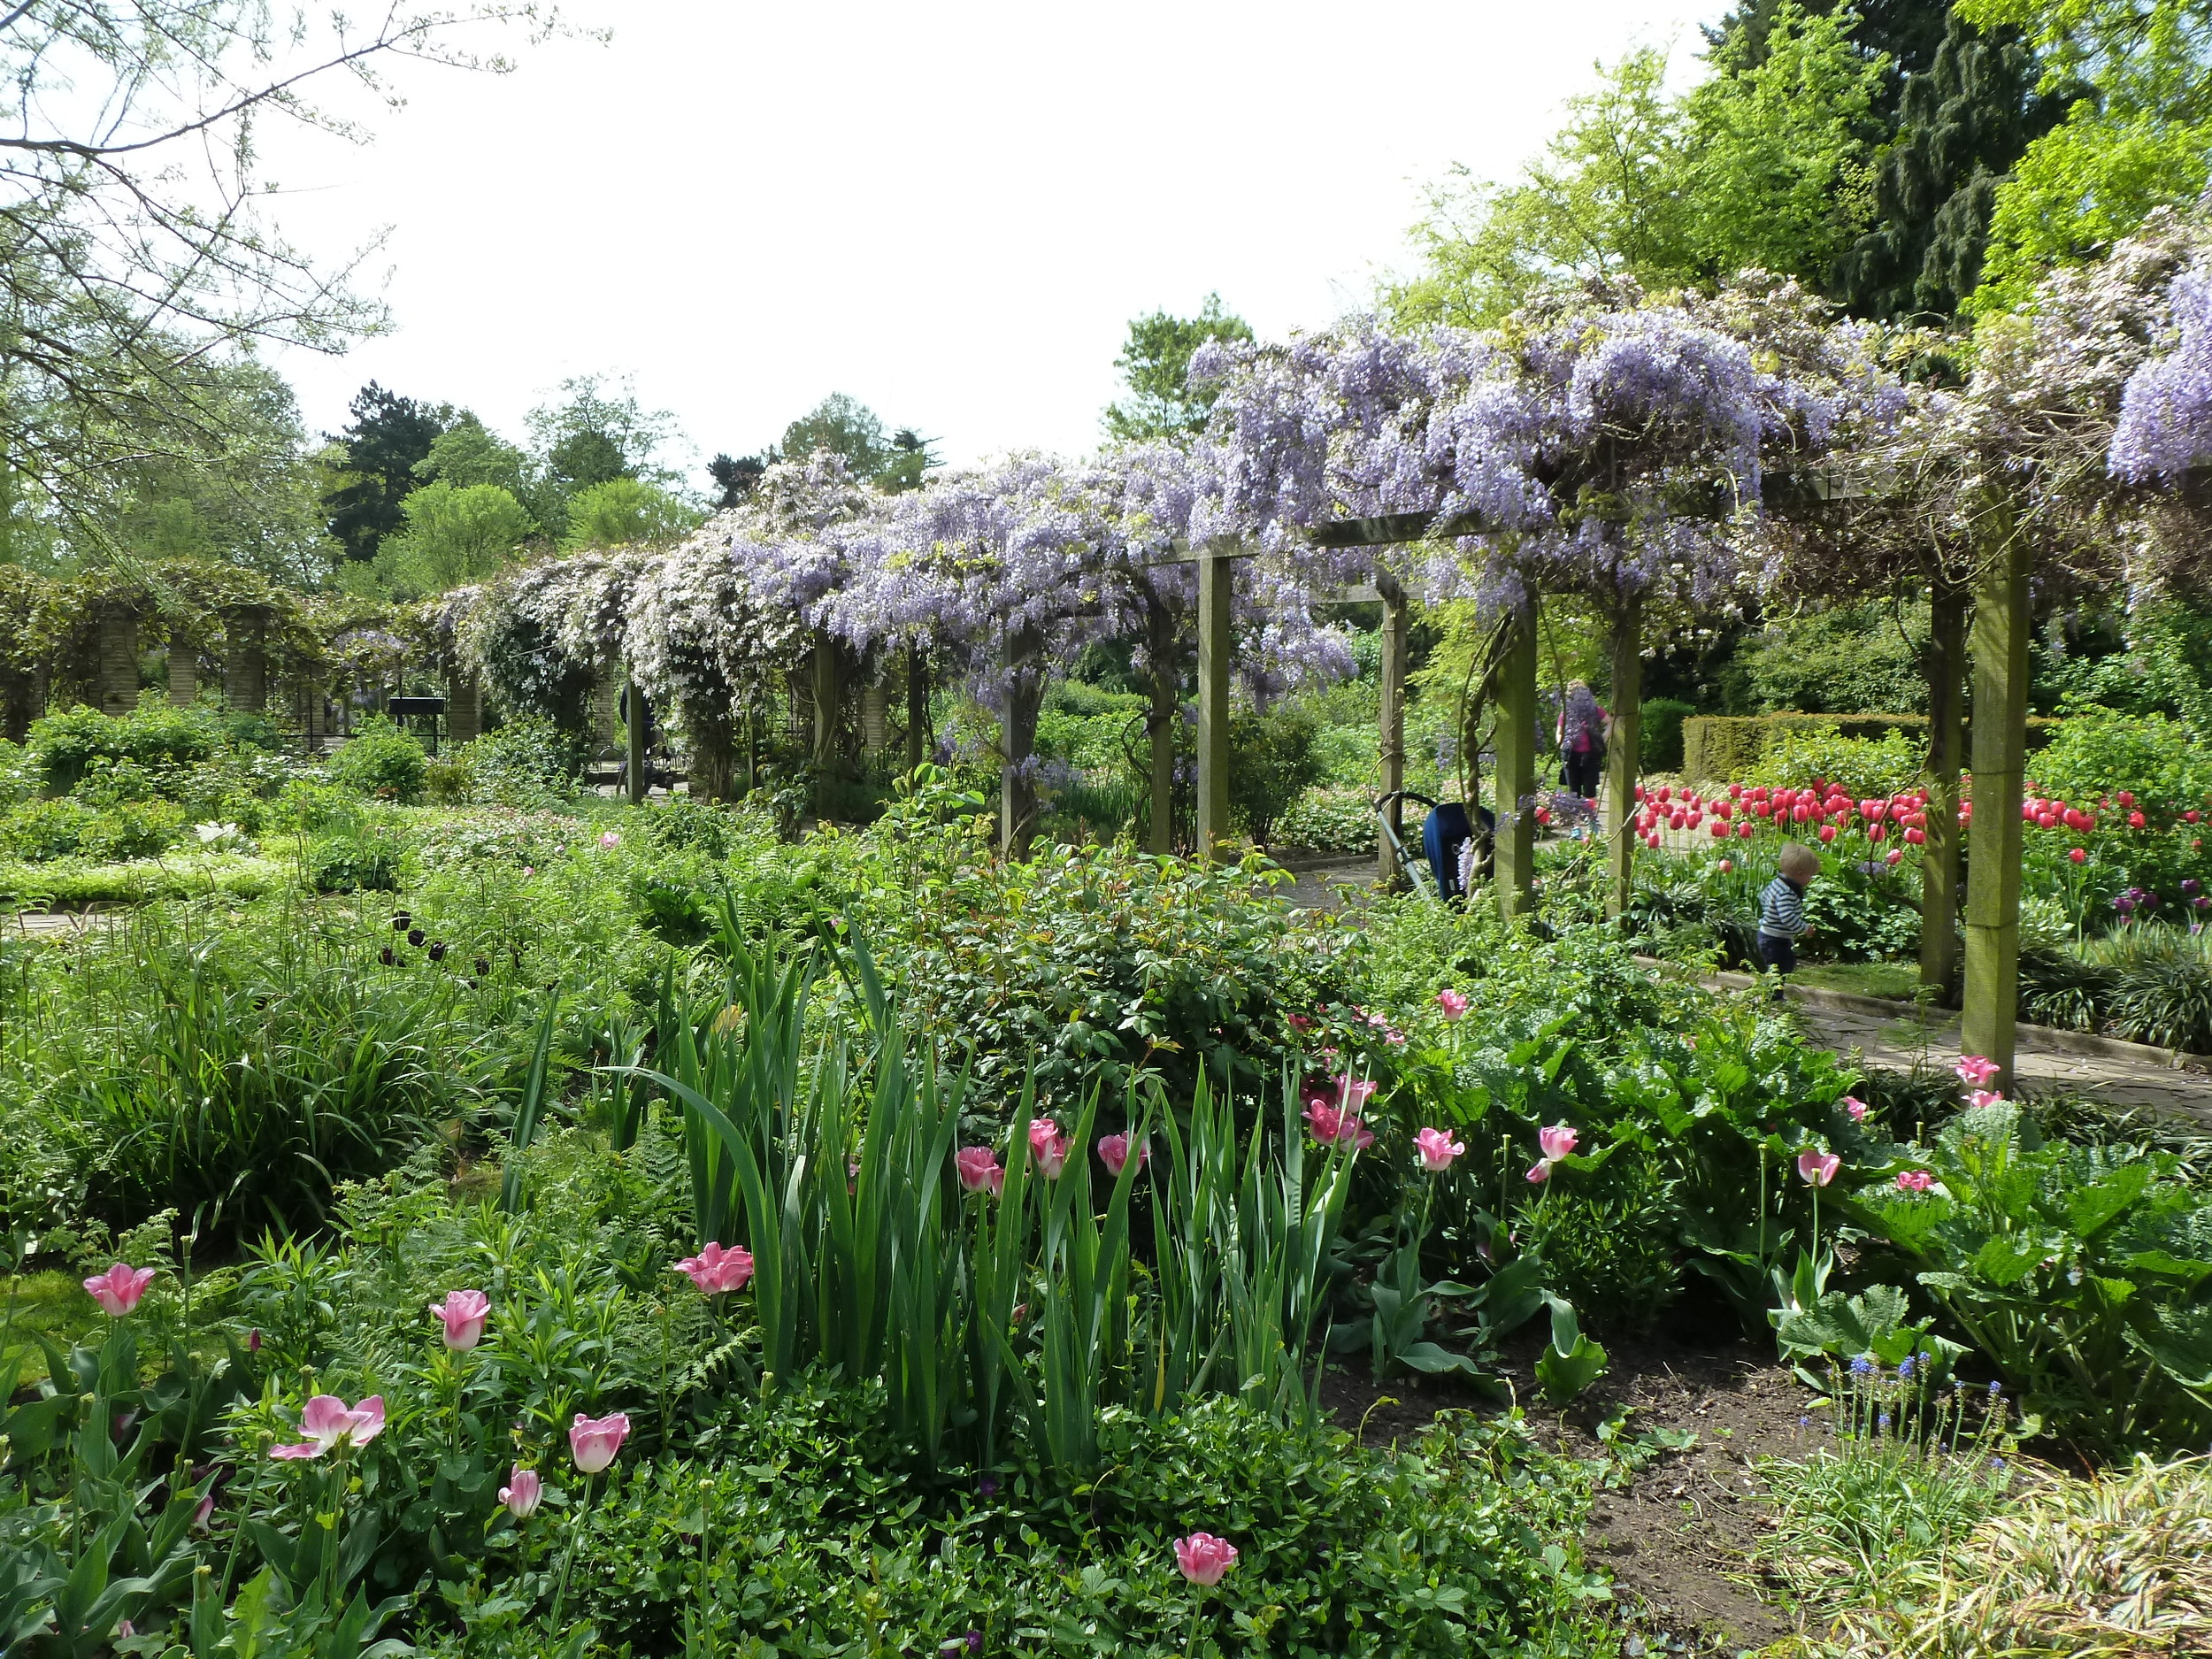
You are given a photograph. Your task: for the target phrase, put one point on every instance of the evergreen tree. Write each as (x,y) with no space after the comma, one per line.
(733,477)
(389,436)
(1910,33)
(1962,124)
(1154,364)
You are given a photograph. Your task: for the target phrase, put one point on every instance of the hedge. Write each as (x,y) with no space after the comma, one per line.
(1721,747)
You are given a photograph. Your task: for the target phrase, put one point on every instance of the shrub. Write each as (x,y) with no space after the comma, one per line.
(43,830)
(311,807)
(1659,736)
(1883,766)
(353,863)
(527,762)
(382,762)
(64,746)
(2097,754)
(1333,820)
(1849,660)
(1274,760)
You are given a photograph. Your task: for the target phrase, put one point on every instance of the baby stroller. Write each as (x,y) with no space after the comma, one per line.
(1435,870)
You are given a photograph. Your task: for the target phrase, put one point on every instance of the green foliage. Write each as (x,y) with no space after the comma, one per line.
(1274,760)
(528,763)
(2096,755)
(64,747)
(1659,736)
(1880,767)
(449,535)
(381,761)
(2066,1265)
(374,470)
(1851,660)
(1154,364)
(625,511)
(1336,820)
(1086,960)
(1609,1246)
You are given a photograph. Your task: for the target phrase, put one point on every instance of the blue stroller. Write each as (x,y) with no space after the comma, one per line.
(1435,870)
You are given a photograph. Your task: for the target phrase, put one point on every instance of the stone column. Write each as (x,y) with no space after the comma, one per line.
(640,722)
(875,718)
(464,705)
(916,704)
(1159,722)
(828,705)
(246,661)
(118,660)
(184,673)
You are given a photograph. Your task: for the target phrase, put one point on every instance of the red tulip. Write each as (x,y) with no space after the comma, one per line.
(1916,834)
(2135,820)
(1827,831)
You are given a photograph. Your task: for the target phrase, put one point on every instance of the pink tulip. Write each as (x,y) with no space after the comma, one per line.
(1113,1152)
(328,1422)
(523,1493)
(979,1170)
(1827,831)
(610,840)
(1894,855)
(1557,1141)
(717,1272)
(119,1289)
(1332,1127)
(1436,1150)
(593,1441)
(1977,1071)
(1914,1180)
(1985,1097)
(1540,1172)
(1452,1002)
(1819,1168)
(464,1312)
(1203,1558)
(1050,1148)
(1855,1109)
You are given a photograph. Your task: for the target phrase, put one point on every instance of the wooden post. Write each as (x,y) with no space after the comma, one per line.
(875,718)
(1397,642)
(1516,744)
(1992,999)
(827,710)
(118,660)
(1623,754)
(636,726)
(245,660)
(464,705)
(1160,721)
(916,704)
(184,673)
(1017,779)
(1946,743)
(1215,648)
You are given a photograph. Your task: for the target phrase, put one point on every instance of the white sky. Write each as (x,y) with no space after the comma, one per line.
(950,212)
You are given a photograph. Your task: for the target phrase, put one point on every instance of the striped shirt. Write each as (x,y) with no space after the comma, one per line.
(1782,909)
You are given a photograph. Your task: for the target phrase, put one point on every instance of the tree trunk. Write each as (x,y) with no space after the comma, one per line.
(1992,1000)
(1623,754)
(1397,638)
(19,703)
(1516,764)
(1946,743)
(1017,779)
(1216,649)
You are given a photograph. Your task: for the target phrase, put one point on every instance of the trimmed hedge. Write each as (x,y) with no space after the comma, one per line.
(1721,747)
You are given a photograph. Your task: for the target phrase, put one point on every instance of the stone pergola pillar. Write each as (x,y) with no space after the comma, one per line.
(184,673)
(637,722)
(464,705)
(1017,779)
(117,660)
(246,660)
(828,705)
(875,718)
(917,703)
(605,710)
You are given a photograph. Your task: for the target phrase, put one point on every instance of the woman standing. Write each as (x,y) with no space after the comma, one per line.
(1582,728)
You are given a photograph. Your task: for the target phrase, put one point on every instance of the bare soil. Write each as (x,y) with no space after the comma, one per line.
(1678,1535)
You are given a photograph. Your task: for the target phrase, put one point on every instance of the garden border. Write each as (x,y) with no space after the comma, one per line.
(2081,1042)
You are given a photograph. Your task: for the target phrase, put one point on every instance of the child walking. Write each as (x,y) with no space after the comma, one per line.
(1782,908)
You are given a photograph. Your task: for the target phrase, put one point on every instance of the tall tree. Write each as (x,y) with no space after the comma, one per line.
(137,257)
(1154,364)
(599,432)
(843,426)
(735,477)
(1962,125)
(451,533)
(388,437)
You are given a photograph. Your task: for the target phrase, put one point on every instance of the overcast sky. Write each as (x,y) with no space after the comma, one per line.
(948,211)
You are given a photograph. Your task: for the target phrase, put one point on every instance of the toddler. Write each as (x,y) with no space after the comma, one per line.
(1782,908)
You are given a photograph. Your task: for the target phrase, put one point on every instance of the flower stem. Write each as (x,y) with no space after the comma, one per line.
(568,1555)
